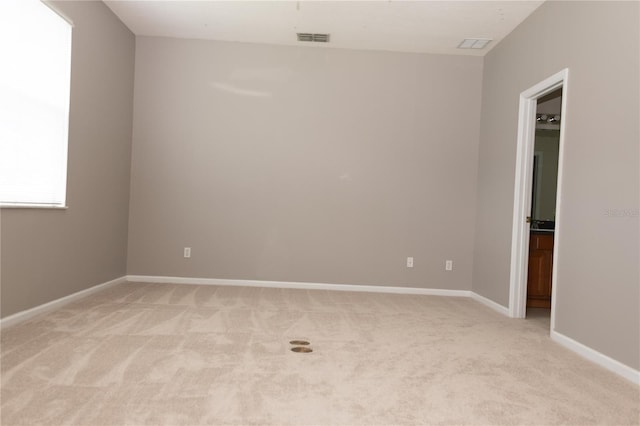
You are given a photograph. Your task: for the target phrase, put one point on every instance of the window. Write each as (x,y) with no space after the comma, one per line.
(34,104)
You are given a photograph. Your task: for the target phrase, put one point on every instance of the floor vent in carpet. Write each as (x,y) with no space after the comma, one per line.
(300,346)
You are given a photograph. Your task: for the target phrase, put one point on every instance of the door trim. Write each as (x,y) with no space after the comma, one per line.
(522,193)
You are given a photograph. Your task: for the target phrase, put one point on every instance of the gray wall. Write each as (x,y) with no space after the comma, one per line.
(47,254)
(303,164)
(598,276)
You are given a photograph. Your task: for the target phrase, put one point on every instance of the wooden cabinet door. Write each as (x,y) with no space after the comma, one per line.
(540,269)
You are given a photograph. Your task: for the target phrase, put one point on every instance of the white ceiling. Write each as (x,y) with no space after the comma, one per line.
(405,26)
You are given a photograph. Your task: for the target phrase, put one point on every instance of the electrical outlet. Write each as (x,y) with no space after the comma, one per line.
(448,265)
(187,252)
(409,262)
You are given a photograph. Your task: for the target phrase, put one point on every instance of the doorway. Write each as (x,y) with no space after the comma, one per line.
(533,215)
(543,205)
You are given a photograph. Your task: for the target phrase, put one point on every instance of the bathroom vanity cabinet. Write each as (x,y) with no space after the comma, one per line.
(540,269)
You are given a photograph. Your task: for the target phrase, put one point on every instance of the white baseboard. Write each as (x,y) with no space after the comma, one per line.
(56,304)
(597,357)
(490,303)
(299,285)
(585,351)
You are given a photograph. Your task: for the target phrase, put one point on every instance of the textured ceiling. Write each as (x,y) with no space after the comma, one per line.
(404,26)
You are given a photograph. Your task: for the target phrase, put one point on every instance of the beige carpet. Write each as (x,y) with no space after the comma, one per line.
(185,355)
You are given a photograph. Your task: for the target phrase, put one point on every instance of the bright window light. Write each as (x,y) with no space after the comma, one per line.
(34,104)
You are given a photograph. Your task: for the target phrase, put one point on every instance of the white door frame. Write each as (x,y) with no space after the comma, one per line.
(522,193)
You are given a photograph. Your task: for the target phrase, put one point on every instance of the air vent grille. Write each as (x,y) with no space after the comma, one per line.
(317,38)
(474,43)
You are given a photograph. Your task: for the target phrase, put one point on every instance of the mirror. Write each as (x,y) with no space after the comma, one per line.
(545,178)
(545,161)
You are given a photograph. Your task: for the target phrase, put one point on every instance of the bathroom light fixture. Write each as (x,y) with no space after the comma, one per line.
(548,118)
(548,121)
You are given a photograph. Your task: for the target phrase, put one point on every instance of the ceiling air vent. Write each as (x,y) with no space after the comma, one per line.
(474,43)
(318,38)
